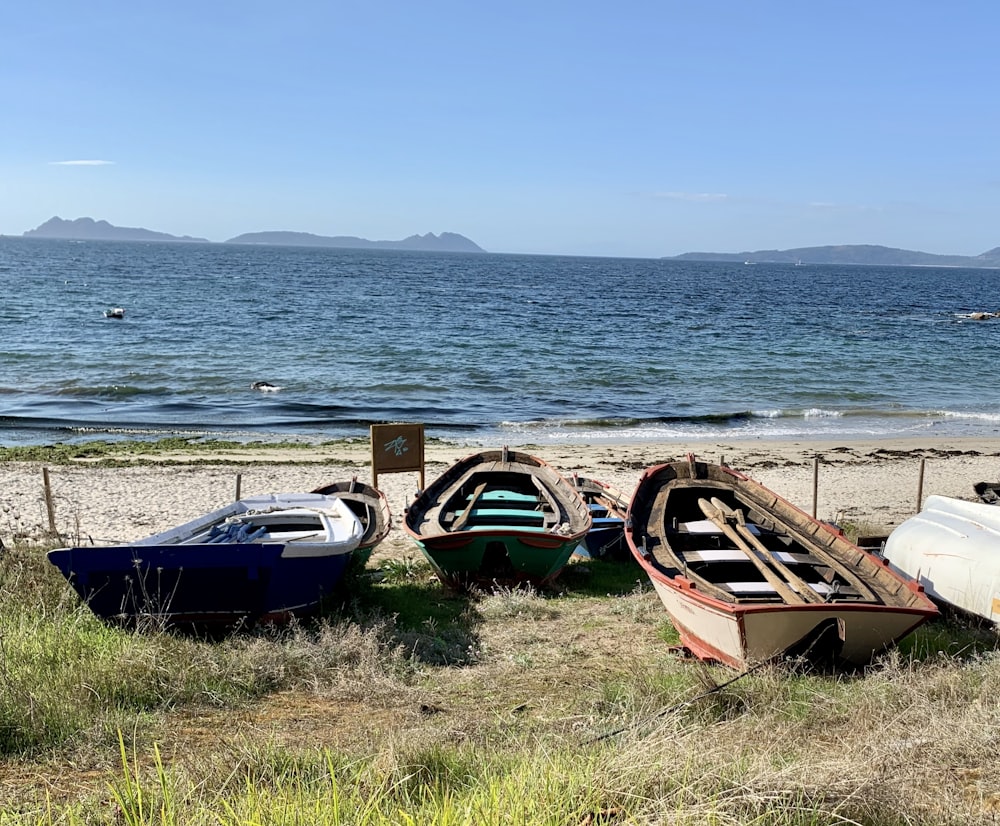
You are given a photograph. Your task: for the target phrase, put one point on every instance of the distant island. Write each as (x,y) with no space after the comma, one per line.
(87,229)
(445,242)
(870,254)
(849,254)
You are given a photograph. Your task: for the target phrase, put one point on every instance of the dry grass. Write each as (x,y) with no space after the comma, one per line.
(411,704)
(909,743)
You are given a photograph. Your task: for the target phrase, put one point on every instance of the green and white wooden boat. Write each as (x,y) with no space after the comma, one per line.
(498,516)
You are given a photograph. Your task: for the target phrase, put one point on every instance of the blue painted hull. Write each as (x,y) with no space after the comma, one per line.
(606,539)
(608,506)
(210,584)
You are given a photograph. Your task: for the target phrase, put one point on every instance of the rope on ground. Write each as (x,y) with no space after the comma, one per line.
(714,689)
(676,707)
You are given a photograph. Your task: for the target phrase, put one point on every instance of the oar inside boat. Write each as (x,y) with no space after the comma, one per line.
(459,523)
(783,589)
(805,590)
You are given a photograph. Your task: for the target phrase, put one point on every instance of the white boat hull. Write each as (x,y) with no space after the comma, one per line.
(952,548)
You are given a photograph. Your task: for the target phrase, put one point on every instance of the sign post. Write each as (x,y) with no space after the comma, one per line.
(397,448)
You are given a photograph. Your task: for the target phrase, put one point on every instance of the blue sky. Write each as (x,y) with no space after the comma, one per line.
(626,129)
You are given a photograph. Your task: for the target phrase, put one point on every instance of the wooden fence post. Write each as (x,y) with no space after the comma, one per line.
(815,485)
(920,485)
(49,504)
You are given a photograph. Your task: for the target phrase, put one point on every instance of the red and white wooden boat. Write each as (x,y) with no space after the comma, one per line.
(747,577)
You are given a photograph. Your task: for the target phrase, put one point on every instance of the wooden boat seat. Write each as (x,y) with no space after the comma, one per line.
(289,536)
(762,587)
(747,587)
(503,497)
(502,516)
(598,511)
(707,526)
(520,528)
(736,555)
(240,532)
(758,587)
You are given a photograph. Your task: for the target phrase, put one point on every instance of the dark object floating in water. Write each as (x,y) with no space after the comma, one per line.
(264,387)
(114,312)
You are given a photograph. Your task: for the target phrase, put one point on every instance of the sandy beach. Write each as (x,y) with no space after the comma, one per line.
(870,484)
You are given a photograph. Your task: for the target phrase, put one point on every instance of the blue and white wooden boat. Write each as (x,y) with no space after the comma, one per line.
(608,506)
(264,558)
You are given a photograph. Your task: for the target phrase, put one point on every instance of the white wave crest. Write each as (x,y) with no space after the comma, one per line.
(976,416)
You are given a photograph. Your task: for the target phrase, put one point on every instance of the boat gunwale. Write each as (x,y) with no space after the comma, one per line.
(424,528)
(376,506)
(610,497)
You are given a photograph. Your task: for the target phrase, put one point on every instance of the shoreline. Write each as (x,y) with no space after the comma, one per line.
(870,483)
(813,425)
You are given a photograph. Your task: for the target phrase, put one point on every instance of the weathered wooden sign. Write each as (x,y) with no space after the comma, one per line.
(397,448)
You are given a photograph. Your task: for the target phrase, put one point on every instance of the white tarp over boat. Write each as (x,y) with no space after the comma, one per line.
(952,547)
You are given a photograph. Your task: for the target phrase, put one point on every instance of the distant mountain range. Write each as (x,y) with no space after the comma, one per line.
(849,254)
(90,230)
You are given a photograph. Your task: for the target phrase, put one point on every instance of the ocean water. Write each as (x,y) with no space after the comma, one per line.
(484,349)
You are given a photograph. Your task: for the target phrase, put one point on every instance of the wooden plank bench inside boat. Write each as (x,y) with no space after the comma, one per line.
(492,508)
(501,516)
(731,570)
(508,499)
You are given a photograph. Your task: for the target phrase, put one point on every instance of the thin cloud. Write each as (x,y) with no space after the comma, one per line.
(81,163)
(830,206)
(693,196)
